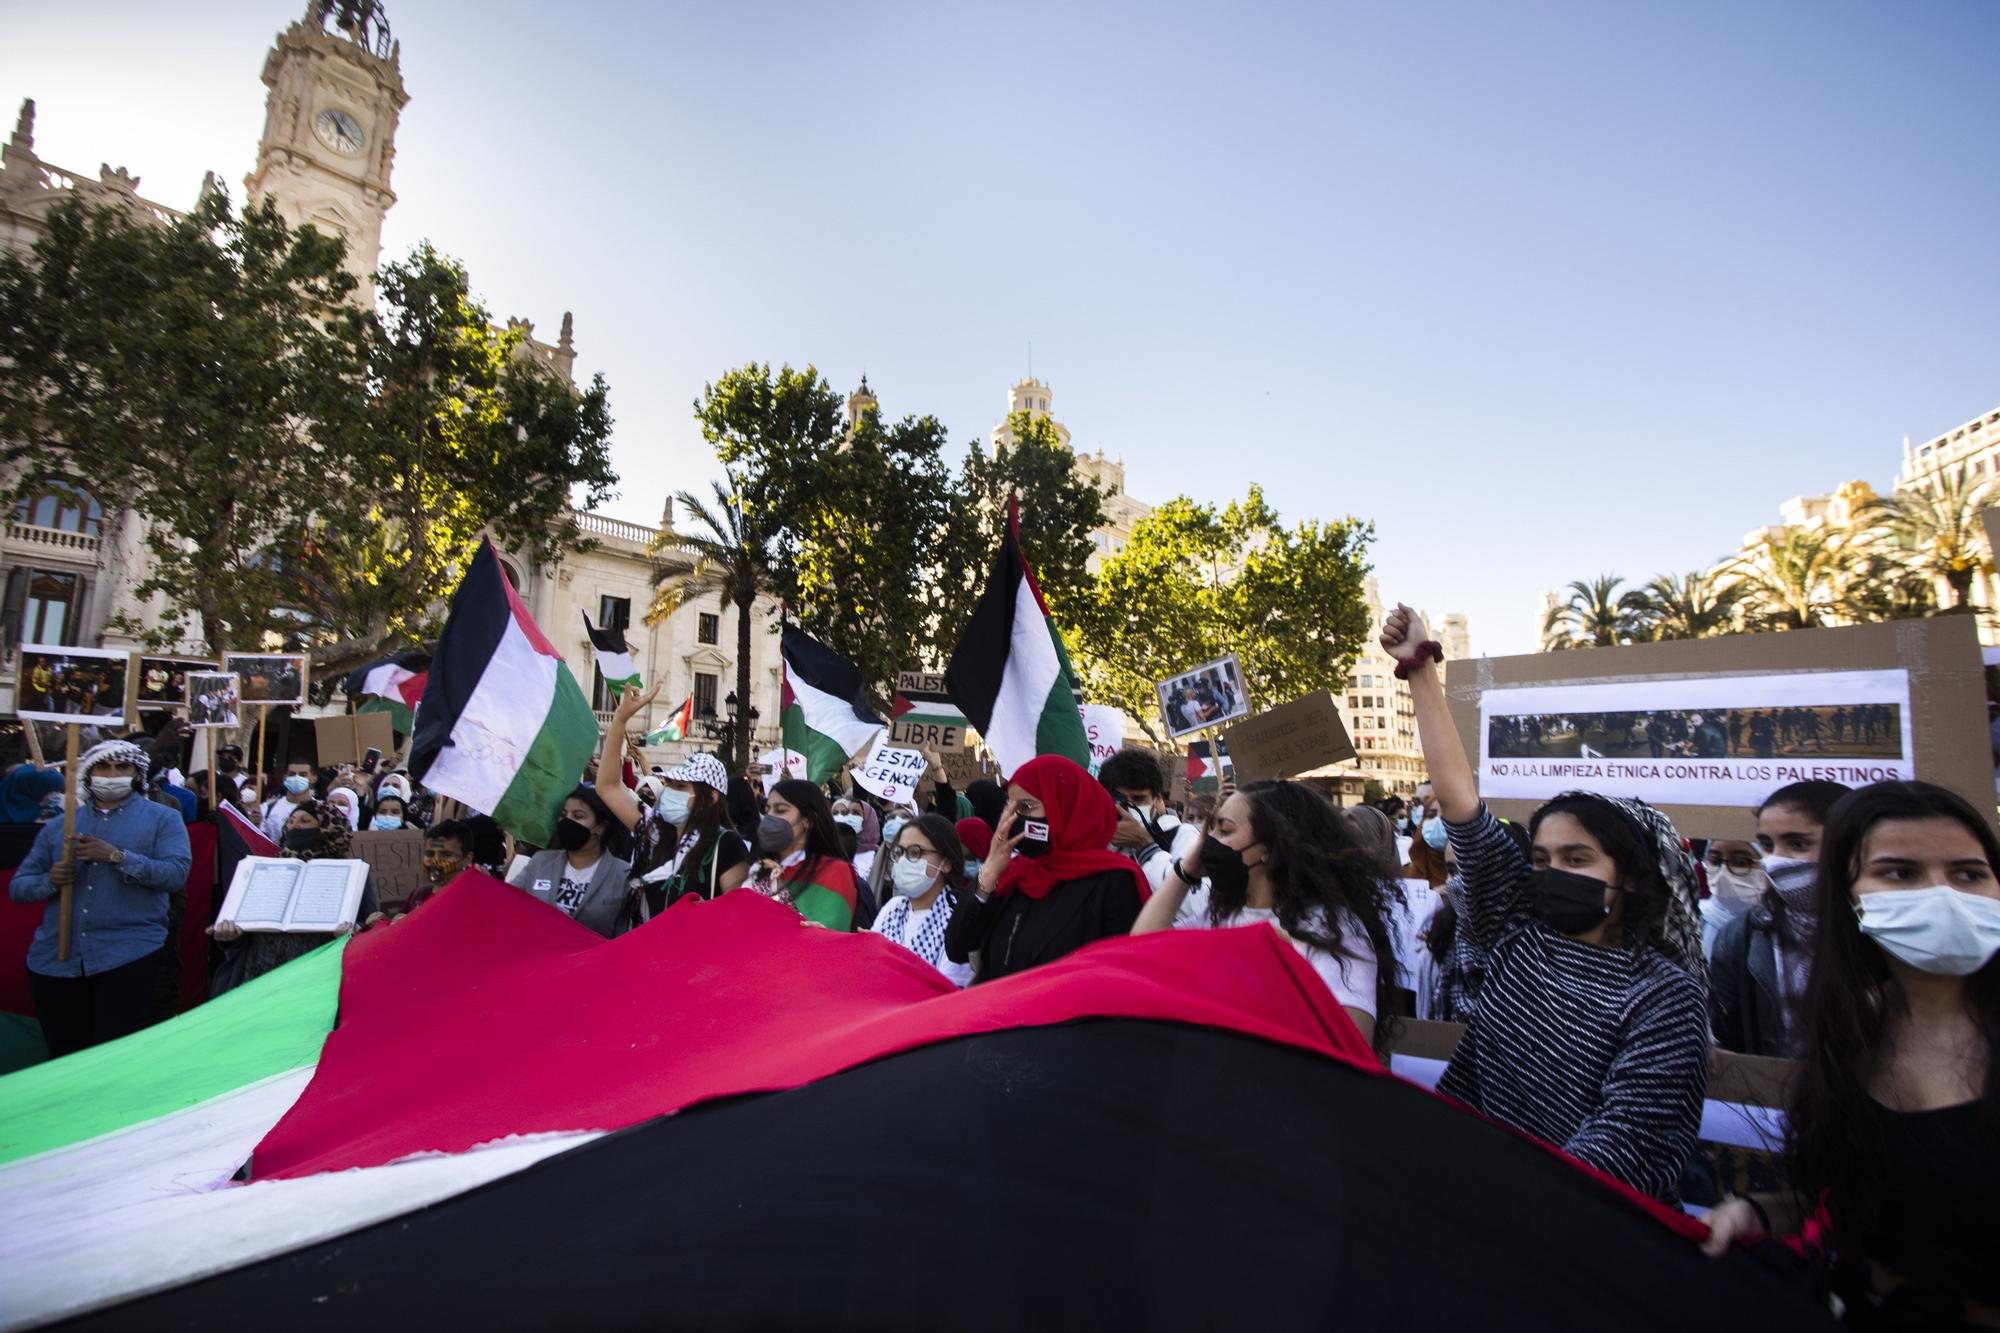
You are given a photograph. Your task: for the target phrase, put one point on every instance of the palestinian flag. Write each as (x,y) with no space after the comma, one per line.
(393,685)
(1010,672)
(503,726)
(1204,768)
(614,658)
(448,1146)
(826,716)
(677,727)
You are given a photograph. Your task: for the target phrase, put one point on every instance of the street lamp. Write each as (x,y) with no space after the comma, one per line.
(724,729)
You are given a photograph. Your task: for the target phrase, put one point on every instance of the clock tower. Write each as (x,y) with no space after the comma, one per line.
(336,88)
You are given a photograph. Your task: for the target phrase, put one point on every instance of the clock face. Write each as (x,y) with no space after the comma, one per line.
(339,131)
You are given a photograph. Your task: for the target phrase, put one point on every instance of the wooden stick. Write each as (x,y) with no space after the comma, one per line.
(262,713)
(69,844)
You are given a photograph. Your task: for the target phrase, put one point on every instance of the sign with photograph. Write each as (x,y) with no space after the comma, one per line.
(1717,740)
(1294,738)
(1706,729)
(163,680)
(269,678)
(92,686)
(1211,695)
(213,699)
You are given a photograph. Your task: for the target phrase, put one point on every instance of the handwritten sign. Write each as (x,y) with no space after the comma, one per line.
(924,713)
(779,764)
(1294,738)
(395,858)
(891,773)
(1105,726)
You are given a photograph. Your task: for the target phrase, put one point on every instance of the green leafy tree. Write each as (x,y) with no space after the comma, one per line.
(1193,583)
(1936,531)
(1686,606)
(723,552)
(1060,509)
(206,372)
(1595,615)
(1793,579)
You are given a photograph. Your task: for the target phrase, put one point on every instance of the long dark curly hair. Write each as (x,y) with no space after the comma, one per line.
(1850,998)
(1318,866)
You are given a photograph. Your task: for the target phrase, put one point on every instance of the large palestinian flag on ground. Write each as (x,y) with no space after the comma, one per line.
(1010,672)
(826,714)
(503,726)
(486,1115)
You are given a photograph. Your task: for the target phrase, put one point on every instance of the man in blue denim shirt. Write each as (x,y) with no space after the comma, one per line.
(130,854)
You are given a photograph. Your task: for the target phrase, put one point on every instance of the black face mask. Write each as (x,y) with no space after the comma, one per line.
(570,835)
(1223,867)
(1028,846)
(774,835)
(226,764)
(303,839)
(1569,903)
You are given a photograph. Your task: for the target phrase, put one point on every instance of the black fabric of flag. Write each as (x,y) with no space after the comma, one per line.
(1099,1175)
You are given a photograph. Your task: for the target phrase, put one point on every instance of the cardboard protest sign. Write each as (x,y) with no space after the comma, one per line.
(965,765)
(1294,738)
(1105,726)
(162,681)
(1705,729)
(345,738)
(89,686)
(1211,695)
(891,772)
(923,713)
(269,678)
(396,859)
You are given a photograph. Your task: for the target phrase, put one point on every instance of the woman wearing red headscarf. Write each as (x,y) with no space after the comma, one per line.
(1050,882)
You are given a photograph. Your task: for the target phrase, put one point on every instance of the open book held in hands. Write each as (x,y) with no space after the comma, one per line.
(278,893)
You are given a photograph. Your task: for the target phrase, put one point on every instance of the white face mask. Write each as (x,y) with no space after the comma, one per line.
(848,821)
(1738,893)
(911,878)
(110,791)
(674,807)
(1938,930)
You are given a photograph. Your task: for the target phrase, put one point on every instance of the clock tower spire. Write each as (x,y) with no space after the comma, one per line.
(336,88)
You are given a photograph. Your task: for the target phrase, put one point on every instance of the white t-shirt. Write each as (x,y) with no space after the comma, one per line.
(574,889)
(1352,980)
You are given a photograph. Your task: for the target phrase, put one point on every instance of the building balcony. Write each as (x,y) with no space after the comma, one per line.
(33,540)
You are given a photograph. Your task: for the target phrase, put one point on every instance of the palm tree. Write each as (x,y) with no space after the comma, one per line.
(1595,615)
(1688,606)
(732,559)
(1936,530)
(1792,579)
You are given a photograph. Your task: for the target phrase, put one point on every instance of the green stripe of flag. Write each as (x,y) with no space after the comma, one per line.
(552,766)
(268,1026)
(824,755)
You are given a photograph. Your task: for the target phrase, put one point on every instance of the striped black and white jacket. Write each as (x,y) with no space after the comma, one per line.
(1600,1051)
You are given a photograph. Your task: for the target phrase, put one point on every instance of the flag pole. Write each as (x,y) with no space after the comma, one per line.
(69,842)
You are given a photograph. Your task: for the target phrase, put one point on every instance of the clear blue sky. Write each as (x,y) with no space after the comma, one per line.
(1543,289)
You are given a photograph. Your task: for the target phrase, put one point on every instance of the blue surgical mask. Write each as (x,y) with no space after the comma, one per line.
(1434,834)
(851,822)
(674,807)
(296,785)
(386,823)
(1939,930)
(890,830)
(971,870)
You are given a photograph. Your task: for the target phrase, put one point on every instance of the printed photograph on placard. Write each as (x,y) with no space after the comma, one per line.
(269,678)
(214,699)
(1211,695)
(163,680)
(87,685)
(1725,741)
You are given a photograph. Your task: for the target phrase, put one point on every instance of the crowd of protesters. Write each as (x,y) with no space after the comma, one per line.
(1595,958)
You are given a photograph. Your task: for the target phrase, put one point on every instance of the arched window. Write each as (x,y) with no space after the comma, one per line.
(60,505)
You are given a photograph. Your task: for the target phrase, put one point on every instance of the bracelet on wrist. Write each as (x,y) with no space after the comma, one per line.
(1430,648)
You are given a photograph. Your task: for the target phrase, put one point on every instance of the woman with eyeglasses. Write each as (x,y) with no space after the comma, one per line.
(1734,870)
(926,870)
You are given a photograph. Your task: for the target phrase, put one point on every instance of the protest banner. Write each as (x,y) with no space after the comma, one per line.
(1210,695)
(87,686)
(891,772)
(1105,726)
(345,737)
(269,678)
(396,859)
(1705,729)
(1294,738)
(779,764)
(922,713)
(162,681)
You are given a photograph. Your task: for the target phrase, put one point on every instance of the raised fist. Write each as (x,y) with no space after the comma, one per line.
(1404,634)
